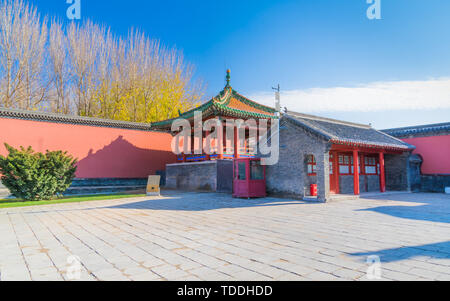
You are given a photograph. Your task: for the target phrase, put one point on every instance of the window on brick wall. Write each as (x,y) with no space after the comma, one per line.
(312,165)
(331,164)
(346,165)
(371,165)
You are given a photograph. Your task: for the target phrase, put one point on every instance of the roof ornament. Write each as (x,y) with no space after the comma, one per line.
(228,78)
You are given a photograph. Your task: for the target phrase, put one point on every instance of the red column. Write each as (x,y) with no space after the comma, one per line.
(336,172)
(220,144)
(208,147)
(382,174)
(236,142)
(356,172)
(193,144)
(184,147)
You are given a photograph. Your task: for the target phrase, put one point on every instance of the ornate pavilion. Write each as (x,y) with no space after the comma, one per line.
(228,105)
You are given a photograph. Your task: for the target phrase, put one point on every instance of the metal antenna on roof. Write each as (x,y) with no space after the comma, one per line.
(277,98)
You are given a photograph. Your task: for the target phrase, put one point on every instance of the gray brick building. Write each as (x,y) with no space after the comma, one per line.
(326,152)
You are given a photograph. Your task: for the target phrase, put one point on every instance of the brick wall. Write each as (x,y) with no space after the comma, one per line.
(201,176)
(397,172)
(290,177)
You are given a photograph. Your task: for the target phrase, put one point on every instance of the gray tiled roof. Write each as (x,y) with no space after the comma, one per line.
(420,131)
(341,132)
(69,119)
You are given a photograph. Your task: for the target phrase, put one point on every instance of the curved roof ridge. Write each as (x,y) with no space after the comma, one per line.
(325,119)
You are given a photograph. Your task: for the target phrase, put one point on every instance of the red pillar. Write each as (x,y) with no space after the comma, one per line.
(184,148)
(356,172)
(336,172)
(193,144)
(220,144)
(236,148)
(382,174)
(208,147)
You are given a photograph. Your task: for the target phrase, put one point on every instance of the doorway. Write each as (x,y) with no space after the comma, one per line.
(334,173)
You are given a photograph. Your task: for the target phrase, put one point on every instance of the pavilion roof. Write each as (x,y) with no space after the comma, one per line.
(228,103)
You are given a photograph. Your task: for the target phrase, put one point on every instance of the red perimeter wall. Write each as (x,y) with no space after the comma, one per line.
(435,152)
(102,152)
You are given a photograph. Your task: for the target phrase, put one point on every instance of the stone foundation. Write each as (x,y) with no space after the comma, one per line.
(214,176)
(434,183)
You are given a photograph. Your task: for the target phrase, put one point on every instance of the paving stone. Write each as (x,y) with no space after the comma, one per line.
(198,236)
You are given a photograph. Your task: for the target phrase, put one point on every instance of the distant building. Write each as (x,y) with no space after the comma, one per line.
(432,154)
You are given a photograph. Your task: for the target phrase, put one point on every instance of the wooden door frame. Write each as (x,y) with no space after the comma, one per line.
(334,178)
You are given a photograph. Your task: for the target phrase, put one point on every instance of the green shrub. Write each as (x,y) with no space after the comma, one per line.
(35,176)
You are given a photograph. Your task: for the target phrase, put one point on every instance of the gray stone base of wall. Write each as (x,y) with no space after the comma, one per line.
(106,186)
(433,183)
(97,186)
(215,176)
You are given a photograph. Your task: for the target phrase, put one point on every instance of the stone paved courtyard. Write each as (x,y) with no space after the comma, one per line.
(194,236)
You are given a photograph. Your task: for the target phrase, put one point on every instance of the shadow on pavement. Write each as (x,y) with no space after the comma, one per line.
(424,207)
(436,250)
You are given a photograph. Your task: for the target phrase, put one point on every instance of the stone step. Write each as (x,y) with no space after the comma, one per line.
(108,182)
(92,190)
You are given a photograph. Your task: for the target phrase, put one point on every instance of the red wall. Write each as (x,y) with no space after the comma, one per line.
(435,152)
(102,152)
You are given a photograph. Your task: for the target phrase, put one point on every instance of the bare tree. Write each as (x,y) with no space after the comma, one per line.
(84,69)
(22,53)
(83,45)
(59,99)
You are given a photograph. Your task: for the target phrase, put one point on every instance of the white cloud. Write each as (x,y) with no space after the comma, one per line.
(372,97)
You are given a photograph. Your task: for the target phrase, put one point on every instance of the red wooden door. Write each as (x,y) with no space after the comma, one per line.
(334,173)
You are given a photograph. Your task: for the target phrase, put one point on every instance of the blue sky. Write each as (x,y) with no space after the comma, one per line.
(329,58)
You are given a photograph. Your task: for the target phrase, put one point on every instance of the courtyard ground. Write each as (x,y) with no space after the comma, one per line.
(197,236)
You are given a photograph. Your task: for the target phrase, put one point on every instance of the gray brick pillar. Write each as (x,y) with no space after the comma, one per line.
(323,176)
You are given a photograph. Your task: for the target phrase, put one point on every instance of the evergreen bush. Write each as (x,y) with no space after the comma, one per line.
(35,176)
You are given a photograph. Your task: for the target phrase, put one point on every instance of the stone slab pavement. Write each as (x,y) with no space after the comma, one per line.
(211,236)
